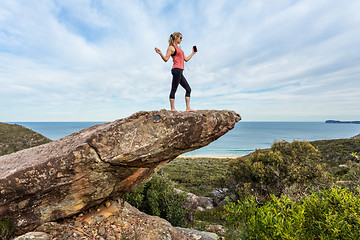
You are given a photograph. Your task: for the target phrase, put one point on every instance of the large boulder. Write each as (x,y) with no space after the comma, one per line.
(67,176)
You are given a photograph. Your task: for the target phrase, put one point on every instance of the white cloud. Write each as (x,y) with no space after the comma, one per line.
(92,60)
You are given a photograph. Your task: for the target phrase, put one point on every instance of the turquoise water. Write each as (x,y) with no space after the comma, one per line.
(248,136)
(243,139)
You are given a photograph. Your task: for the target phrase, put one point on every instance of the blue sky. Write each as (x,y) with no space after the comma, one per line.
(85,60)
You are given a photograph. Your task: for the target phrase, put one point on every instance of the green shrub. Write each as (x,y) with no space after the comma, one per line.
(328,214)
(356,156)
(292,168)
(6,228)
(333,213)
(158,197)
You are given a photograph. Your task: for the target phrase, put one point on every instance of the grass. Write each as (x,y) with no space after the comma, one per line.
(197,175)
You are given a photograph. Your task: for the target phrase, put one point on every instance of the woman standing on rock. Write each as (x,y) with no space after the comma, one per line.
(178,67)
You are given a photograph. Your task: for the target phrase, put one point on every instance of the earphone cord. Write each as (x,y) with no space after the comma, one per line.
(194,58)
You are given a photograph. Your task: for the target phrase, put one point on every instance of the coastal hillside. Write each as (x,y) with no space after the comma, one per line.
(336,121)
(337,151)
(14,137)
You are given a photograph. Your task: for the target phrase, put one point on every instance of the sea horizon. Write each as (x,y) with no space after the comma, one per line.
(246,137)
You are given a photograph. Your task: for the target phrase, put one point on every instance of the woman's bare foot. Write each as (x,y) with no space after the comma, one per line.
(188,108)
(174,110)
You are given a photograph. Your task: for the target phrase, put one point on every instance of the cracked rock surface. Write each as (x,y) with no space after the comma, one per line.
(69,175)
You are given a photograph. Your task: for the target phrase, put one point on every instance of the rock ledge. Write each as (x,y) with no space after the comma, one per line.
(69,175)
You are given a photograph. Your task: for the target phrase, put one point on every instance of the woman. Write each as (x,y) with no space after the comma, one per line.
(177,70)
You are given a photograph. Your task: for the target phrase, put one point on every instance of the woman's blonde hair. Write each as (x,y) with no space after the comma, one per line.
(172,38)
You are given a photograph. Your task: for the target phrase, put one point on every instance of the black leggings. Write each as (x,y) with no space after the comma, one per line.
(178,78)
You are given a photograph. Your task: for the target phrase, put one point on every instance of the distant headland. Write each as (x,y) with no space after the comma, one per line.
(335,121)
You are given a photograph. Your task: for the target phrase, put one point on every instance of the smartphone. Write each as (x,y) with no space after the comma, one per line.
(195,48)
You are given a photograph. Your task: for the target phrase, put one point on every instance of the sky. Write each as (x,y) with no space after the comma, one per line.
(92,60)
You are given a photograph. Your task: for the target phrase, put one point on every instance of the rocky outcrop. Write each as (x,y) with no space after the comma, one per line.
(197,202)
(67,176)
(35,236)
(116,219)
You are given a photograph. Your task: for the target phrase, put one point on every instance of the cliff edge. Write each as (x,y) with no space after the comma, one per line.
(67,176)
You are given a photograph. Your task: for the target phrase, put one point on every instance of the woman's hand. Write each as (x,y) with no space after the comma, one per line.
(169,51)
(157,51)
(190,56)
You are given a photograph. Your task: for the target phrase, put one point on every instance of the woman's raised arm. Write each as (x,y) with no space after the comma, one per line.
(190,56)
(169,51)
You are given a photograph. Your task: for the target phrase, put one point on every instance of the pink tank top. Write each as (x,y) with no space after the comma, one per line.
(178,59)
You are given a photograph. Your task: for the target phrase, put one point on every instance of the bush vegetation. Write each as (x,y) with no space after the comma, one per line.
(292,168)
(290,191)
(338,151)
(328,214)
(196,175)
(158,197)
(6,229)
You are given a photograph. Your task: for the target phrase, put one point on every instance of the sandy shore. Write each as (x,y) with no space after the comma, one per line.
(208,157)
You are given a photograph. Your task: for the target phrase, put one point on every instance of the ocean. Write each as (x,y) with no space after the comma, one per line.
(245,138)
